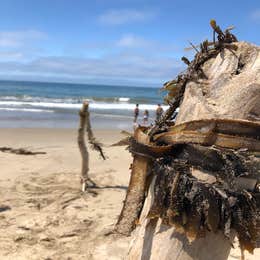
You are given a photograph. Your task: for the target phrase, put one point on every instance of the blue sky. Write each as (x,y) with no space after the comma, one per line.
(130,42)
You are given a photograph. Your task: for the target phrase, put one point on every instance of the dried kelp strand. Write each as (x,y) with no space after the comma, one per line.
(195,207)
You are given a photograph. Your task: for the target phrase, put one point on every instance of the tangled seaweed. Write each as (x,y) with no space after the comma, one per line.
(21,151)
(194,207)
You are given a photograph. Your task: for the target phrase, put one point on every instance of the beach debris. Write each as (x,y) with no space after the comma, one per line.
(223,37)
(4,208)
(192,47)
(226,133)
(84,126)
(94,144)
(179,156)
(125,140)
(21,151)
(195,206)
(194,72)
(136,189)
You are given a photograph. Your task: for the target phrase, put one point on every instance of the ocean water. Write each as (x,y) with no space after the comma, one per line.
(56,105)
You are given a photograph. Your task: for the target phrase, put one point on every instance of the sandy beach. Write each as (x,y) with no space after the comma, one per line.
(44,214)
(49,216)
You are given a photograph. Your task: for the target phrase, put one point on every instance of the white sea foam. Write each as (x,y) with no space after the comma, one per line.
(110,116)
(96,105)
(26,110)
(26,98)
(123,99)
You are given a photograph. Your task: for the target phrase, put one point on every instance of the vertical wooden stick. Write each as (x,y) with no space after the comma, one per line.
(133,203)
(83,113)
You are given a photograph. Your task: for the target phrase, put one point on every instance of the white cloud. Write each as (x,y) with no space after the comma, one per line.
(11,55)
(255,15)
(132,41)
(120,67)
(14,39)
(123,16)
(130,58)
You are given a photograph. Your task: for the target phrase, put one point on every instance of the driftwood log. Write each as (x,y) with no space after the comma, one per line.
(135,194)
(84,125)
(205,185)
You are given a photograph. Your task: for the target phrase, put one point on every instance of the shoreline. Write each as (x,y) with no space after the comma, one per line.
(66,121)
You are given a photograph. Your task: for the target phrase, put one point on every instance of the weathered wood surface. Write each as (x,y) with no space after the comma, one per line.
(230,91)
(85,126)
(228,133)
(83,114)
(153,240)
(135,194)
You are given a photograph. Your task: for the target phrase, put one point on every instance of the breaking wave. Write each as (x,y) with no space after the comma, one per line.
(26,110)
(68,105)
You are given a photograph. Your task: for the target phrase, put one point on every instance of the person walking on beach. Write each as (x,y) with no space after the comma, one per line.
(146,116)
(159,112)
(136,112)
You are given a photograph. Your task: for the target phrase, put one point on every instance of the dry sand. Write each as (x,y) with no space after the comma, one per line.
(44,214)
